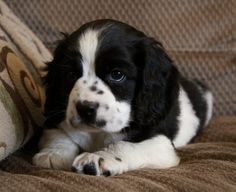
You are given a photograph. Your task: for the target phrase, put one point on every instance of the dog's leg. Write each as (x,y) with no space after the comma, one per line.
(157,152)
(57,150)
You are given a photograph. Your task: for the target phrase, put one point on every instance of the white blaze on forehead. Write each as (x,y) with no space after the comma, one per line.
(88,44)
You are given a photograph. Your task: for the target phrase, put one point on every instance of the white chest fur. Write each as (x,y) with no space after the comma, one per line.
(91,141)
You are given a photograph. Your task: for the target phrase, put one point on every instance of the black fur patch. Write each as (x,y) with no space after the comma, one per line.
(93,88)
(100,92)
(90,169)
(73,169)
(101,123)
(107,173)
(118,159)
(100,161)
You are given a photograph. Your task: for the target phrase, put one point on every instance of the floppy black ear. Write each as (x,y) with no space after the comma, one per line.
(53,109)
(56,85)
(157,84)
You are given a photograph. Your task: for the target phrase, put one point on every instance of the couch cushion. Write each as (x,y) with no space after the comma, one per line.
(199,35)
(21,92)
(208,164)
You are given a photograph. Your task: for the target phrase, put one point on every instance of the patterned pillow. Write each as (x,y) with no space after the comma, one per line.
(21,93)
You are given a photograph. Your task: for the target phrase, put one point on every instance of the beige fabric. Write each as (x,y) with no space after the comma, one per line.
(208,165)
(21,92)
(199,35)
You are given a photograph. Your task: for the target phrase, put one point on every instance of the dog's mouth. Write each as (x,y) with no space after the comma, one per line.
(97,126)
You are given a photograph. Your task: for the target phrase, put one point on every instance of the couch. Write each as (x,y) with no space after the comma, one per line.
(200,36)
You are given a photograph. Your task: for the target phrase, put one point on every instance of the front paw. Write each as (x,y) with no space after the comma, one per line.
(52,160)
(99,164)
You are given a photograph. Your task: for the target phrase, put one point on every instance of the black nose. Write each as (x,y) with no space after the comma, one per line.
(87,111)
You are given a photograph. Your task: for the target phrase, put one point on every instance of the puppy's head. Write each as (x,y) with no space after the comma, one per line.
(105,75)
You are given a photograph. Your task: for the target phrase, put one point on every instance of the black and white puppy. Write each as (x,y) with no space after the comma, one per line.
(114,93)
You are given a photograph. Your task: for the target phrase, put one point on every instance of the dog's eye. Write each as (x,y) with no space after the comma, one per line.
(117,76)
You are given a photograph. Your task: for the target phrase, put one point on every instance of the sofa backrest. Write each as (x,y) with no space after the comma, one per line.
(200,36)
